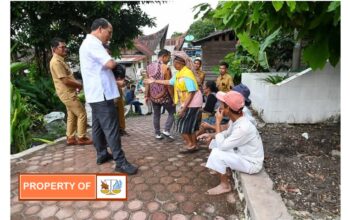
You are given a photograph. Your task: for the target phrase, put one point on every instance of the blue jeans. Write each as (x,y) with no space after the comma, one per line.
(137,105)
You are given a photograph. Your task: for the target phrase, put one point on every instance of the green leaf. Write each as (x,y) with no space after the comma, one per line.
(252,46)
(303,6)
(227,18)
(334,5)
(317,53)
(256,15)
(18,66)
(43,140)
(263,60)
(267,42)
(291,5)
(277,5)
(270,39)
(238,6)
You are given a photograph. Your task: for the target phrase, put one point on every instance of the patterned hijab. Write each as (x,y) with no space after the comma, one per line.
(186,58)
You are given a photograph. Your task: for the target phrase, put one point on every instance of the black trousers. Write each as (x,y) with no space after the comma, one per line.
(105,130)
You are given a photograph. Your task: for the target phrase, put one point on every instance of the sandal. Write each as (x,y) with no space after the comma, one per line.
(185,150)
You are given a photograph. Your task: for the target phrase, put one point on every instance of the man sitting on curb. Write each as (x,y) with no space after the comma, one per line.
(239,147)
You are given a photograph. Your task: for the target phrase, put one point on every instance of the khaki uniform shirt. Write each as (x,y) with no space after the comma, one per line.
(224,83)
(59,69)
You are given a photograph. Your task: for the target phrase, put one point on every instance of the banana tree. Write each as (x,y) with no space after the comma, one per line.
(256,49)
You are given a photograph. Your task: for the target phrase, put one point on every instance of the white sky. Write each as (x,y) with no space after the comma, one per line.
(178,14)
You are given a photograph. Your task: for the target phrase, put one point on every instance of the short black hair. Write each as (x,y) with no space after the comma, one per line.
(133,86)
(211,85)
(223,63)
(199,60)
(56,41)
(99,22)
(163,52)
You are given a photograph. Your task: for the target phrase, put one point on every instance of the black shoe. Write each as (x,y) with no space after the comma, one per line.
(127,168)
(104,159)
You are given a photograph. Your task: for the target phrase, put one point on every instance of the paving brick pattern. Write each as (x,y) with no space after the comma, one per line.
(168,186)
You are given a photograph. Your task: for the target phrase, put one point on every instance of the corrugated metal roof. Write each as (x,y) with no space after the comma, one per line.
(131,58)
(214,34)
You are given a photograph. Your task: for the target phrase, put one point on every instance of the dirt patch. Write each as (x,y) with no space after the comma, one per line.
(303,161)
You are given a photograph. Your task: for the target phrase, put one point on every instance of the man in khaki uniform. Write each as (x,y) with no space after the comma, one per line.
(66,87)
(224,82)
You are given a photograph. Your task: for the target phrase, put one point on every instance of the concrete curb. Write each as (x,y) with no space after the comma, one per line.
(261,201)
(39,147)
(34,149)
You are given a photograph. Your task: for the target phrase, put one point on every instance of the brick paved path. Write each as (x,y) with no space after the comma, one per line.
(168,185)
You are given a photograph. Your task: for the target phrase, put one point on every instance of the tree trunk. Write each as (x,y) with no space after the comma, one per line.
(296,56)
(296,52)
(45,63)
(38,60)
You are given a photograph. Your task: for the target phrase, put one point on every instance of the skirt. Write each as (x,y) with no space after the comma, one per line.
(190,122)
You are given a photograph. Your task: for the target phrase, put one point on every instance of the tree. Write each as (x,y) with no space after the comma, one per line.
(201,28)
(316,24)
(34,24)
(176,34)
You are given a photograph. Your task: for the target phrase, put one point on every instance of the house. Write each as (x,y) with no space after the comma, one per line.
(144,52)
(175,43)
(215,47)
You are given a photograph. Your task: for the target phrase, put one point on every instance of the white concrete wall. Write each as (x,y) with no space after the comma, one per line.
(306,97)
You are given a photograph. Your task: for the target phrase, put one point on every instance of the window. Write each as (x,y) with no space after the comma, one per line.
(231,36)
(139,65)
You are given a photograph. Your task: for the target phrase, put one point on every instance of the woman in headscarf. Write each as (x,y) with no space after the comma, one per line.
(189,96)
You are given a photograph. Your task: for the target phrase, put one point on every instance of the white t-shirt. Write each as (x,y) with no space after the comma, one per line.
(99,81)
(243,138)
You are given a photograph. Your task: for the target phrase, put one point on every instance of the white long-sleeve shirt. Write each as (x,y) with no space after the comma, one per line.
(243,138)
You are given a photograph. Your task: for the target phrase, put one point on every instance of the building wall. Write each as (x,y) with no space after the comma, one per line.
(213,52)
(306,97)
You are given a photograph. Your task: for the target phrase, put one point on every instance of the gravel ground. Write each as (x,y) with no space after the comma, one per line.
(303,161)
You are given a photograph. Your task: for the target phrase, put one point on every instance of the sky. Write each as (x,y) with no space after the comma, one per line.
(178,14)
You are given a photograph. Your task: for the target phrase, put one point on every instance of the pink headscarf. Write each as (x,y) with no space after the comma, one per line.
(186,58)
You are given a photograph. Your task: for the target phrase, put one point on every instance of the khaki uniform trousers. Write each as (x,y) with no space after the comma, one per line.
(76,117)
(119,103)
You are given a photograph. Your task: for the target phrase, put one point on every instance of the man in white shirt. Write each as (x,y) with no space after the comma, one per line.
(100,90)
(239,147)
